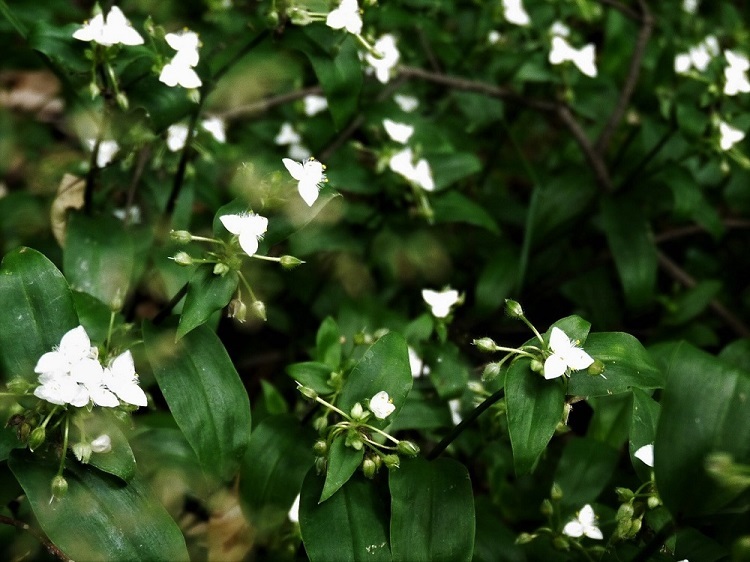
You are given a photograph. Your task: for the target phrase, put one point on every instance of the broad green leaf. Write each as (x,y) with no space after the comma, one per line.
(610,423)
(703,412)
(206,294)
(448,168)
(494,541)
(626,365)
(384,366)
(94,316)
(56,41)
(100,518)
(629,238)
(313,375)
(449,373)
(692,302)
(737,353)
(352,525)
(119,461)
(8,442)
(697,546)
(343,461)
(328,343)
(37,310)
(534,408)
(497,279)
(204,394)
(455,207)
(642,428)
(585,469)
(422,410)
(99,257)
(275,463)
(432,511)
(560,202)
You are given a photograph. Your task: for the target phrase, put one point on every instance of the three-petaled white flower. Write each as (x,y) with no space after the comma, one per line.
(177,135)
(729,136)
(735,74)
(113,30)
(107,151)
(314,104)
(287,135)
(646,454)
(406,103)
(698,56)
(420,173)
(583,58)
(120,377)
(249,229)
(440,302)
(382,66)
(515,13)
(399,132)
(381,405)
(216,127)
(180,69)
(584,523)
(566,356)
(346,16)
(310,176)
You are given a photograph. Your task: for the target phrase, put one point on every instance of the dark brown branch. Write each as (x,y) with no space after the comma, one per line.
(676,233)
(269,103)
(46,543)
(601,172)
(634,72)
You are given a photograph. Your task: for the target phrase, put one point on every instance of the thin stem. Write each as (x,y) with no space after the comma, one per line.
(43,540)
(205,239)
(253,298)
(332,408)
(65,446)
(164,312)
(265,258)
(109,330)
(384,434)
(533,329)
(179,178)
(648,157)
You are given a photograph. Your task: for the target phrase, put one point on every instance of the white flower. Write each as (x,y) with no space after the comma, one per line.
(299,151)
(559,28)
(406,103)
(455,407)
(215,126)
(61,389)
(729,135)
(186,44)
(287,135)
(419,173)
(381,405)
(399,132)
(309,175)
(248,227)
(514,12)
(583,58)
(314,104)
(736,74)
(416,364)
(113,30)
(565,356)
(698,56)
(177,136)
(690,6)
(440,302)
(75,346)
(294,510)
(107,151)
(131,214)
(102,444)
(583,524)
(120,377)
(646,455)
(494,37)
(176,72)
(385,46)
(346,16)
(91,375)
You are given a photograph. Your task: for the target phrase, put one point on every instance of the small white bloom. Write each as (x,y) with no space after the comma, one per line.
(132,214)
(559,28)
(177,136)
(515,13)
(107,151)
(90,374)
(381,405)
(419,173)
(646,454)
(385,46)
(61,389)
(294,510)
(75,346)
(440,302)
(583,58)
(176,73)
(690,6)
(216,127)
(120,377)
(416,364)
(698,57)
(186,44)
(310,177)
(406,103)
(248,227)
(682,63)
(287,135)
(729,135)
(565,356)
(314,104)
(494,37)
(455,407)
(736,74)
(102,444)
(399,132)
(113,30)
(346,16)
(583,524)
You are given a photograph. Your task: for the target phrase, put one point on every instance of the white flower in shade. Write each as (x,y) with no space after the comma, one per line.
(386,47)
(130,214)
(107,151)
(346,16)
(406,103)
(381,405)
(287,135)
(175,73)
(440,302)
(61,389)
(177,135)
(566,356)
(729,136)
(310,177)
(494,37)
(120,377)
(646,454)
(248,227)
(736,74)
(186,44)
(690,6)
(293,514)
(416,364)
(584,58)
(113,30)
(216,127)
(314,104)
(455,407)
(514,12)
(419,173)
(399,132)
(179,71)
(102,444)
(584,523)
(698,56)
(559,28)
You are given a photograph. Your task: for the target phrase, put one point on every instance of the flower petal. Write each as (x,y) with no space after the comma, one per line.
(233,223)
(248,242)
(554,366)
(577,359)
(296,170)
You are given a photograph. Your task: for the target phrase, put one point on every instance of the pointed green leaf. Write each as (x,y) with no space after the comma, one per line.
(313,375)
(343,461)
(206,294)
(455,207)
(432,511)
(100,517)
(328,343)
(204,394)
(449,373)
(585,469)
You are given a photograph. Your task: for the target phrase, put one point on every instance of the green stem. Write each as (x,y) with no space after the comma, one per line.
(383,433)
(533,329)
(253,298)
(204,239)
(332,407)
(65,446)
(164,312)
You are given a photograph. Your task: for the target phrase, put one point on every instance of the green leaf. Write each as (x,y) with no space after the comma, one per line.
(455,207)
(206,294)
(610,423)
(432,511)
(328,343)
(575,327)
(204,394)
(275,463)
(119,461)
(497,279)
(313,375)
(56,41)
(692,302)
(99,257)
(352,525)
(99,518)
(585,469)
(494,541)
(626,365)
(342,463)
(450,372)
(629,237)
(703,411)
(94,316)
(37,310)
(534,408)
(8,442)
(643,424)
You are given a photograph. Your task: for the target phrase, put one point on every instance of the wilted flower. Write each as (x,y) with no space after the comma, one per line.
(583,524)
(514,12)
(107,151)
(385,46)
(565,356)
(314,104)
(381,405)
(583,58)
(440,302)
(399,132)
(113,30)
(310,177)
(102,444)
(646,454)
(729,136)
(406,103)
(419,173)
(346,16)
(248,227)
(736,74)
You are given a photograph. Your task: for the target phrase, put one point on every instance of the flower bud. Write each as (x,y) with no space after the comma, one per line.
(307,392)
(354,441)
(596,368)
(391,461)
(380,333)
(556,492)
(259,310)
(24,431)
(320,448)
(368,468)
(624,494)
(546,508)
(536,366)
(182,258)
(561,543)
(237,310)
(320,465)
(407,448)
(272,19)
(18,385)
(476,387)
(320,423)
(221,269)
(625,512)
(290,262)
(122,100)
(181,236)
(513,309)
(357,412)
(653,502)
(37,438)
(117,302)
(299,16)
(487,345)
(491,371)
(82,451)
(635,526)
(525,538)
(59,487)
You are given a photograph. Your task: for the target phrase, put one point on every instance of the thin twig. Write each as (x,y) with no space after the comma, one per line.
(164,312)
(634,72)
(622,8)
(143,156)
(46,543)
(265,104)
(676,233)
